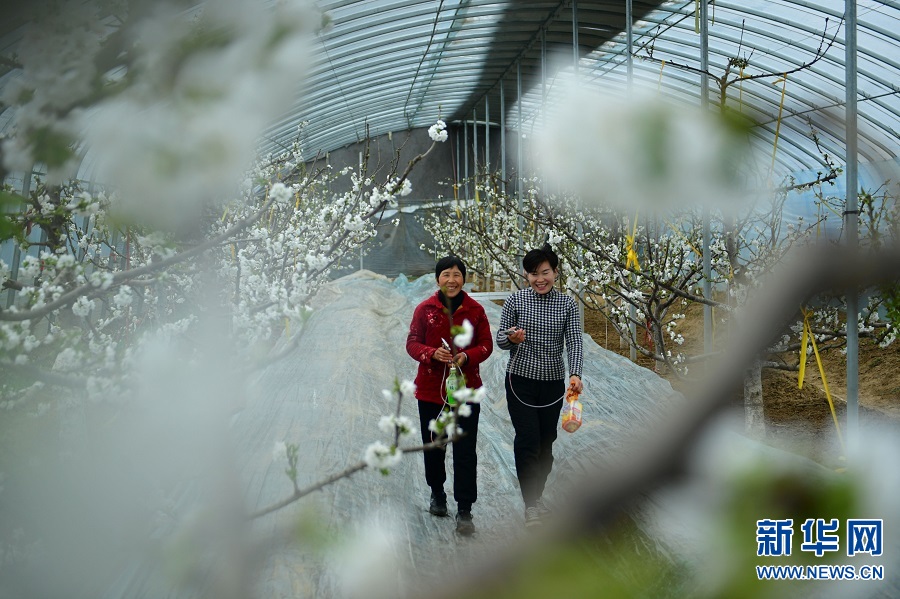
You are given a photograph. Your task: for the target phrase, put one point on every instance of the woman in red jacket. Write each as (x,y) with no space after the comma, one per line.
(431,322)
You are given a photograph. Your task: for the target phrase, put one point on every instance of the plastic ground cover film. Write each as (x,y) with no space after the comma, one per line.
(164,515)
(326,397)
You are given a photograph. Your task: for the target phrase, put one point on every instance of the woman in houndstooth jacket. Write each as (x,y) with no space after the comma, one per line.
(535,324)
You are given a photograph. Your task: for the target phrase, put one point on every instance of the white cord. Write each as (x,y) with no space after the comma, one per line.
(444,395)
(509,376)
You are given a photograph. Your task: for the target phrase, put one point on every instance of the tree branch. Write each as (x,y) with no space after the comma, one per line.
(89,290)
(660,456)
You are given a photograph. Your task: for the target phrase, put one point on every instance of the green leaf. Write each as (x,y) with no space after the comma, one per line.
(10,205)
(8,228)
(51,147)
(8,198)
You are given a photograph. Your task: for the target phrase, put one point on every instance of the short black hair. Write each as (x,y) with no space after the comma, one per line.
(449,262)
(535,257)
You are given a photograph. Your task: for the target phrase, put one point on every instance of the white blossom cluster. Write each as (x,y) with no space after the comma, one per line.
(169,137)
(438,131)
(89,335)
(382,457)
(287,255)
(262,245)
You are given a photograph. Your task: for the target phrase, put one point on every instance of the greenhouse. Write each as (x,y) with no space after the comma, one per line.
(265,263)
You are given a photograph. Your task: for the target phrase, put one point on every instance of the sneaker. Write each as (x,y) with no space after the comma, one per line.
(464,524)
(543,510)
(532,517)
(438,506)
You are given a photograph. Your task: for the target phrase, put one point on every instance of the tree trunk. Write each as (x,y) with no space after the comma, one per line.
(753,402)
(659,346)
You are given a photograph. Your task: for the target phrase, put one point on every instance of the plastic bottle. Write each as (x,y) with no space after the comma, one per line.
(571,416)
(454,382)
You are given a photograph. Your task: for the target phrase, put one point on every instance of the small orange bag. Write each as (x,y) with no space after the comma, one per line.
(571,416)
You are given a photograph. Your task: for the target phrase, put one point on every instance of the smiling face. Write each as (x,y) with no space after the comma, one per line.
(542,278)
(450,281)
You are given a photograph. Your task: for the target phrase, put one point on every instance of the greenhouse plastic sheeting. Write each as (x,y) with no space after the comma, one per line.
(326,397)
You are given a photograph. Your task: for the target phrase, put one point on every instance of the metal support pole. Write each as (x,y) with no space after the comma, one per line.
(458,166)
(629,78)
(543,78)
(17,257)
(851,222)
(579,228)
(519,158)
(466,156)
(488,179)
(543,98)
(707,233)
(575,33)
(487,136)
(629,41)
(361,256)
(475,148)
(502,138)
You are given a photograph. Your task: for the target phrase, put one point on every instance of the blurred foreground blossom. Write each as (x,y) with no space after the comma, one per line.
(467,395)
(279,452)
(464,337)
(367,564)
(641,152)
(400,424)
(187,127)
(737,482)
(408,388)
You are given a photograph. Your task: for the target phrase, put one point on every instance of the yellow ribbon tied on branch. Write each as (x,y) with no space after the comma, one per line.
(631,260)
(631,257)
(809,337)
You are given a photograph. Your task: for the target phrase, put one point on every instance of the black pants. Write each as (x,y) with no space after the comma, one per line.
(536,430)
(465,462)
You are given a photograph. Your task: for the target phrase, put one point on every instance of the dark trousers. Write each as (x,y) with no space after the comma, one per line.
(536,429)
(465,462)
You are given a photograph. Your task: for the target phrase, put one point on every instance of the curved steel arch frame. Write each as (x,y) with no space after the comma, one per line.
(380,65)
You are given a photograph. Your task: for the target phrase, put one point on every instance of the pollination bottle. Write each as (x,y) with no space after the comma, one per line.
(454,382)
(571,416)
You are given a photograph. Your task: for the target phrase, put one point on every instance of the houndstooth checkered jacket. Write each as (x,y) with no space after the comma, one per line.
(548,320)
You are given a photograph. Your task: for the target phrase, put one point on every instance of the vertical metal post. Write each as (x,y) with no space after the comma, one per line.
(458,167)
(487,136)
(575,34)
(17,252)
(579,228)
(629,79)
(488,179)
(629,41)
(632,316)
(466,156)
(543,97)
(543,78)
(851,221)
(361,265)
(519,158)
(707,233)
(475,147)
(502,138)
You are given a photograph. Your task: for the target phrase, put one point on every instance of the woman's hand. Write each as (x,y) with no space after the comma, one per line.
(517,337)
(442,355)
(575,384)
(460,359)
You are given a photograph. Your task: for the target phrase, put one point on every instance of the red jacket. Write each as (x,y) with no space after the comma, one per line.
(429,325)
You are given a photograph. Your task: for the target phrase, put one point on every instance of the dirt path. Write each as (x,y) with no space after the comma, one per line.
(799,419)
